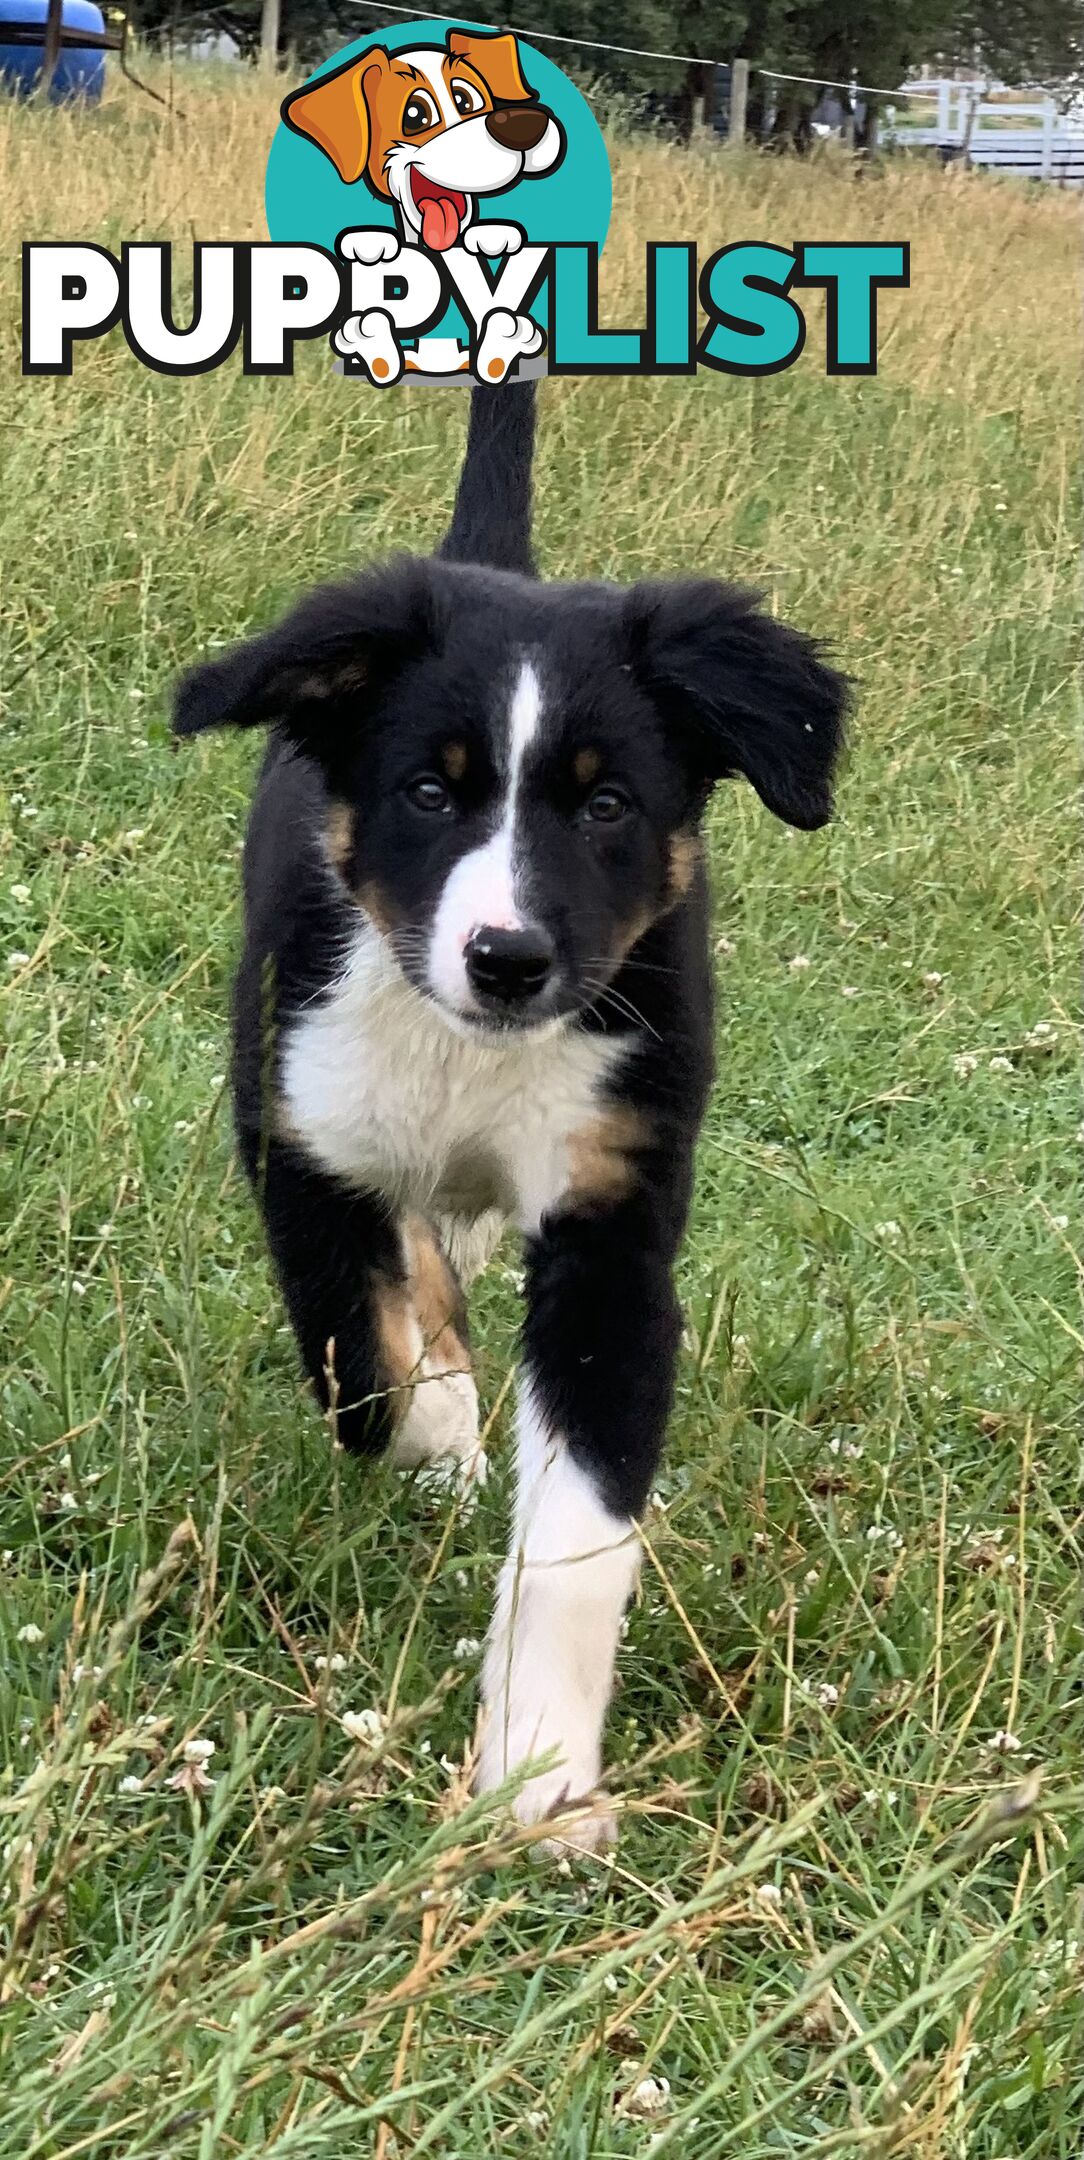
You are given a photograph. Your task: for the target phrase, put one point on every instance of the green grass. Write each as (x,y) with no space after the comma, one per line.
(864,1559)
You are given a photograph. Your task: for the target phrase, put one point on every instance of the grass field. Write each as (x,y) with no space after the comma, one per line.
(845,1912)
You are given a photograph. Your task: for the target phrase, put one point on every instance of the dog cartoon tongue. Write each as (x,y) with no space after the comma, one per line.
(442,212)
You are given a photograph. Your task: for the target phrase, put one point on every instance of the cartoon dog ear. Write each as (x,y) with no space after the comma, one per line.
(742,693)
(496,58)
(320,669)
(334,112)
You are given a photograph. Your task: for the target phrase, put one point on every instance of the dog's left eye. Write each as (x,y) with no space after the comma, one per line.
(607,805)
(428,793)
(419,113)
(466,98)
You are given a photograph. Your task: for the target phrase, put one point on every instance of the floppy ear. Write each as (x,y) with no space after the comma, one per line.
(319,669)
(744,694)
(496,60)
(334,112)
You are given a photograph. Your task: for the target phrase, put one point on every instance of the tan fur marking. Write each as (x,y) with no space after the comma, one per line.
(586,765)
(375,904)
(436,1298)
(417,1319)
(398,1337)
(602,1154)
(684,859)
(453,757)
(339,833)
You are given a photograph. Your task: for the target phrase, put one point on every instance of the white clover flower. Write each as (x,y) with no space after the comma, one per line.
(826,1696)
(999,1063)
(964,1064)
(335,1663)
(129,1786)
(467,1647)
(890,1231)
(1060,1222)
(1042,1038)
(1003,1743)
(20,894)
(933,978)
(648,2098)
(849,990)
(18,960)
(726,948)
(69,1503)
(198,1751)
(799,963)
(367,1725)
(30,1632)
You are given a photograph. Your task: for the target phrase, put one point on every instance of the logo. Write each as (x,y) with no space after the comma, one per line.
(438,197)
(444,166)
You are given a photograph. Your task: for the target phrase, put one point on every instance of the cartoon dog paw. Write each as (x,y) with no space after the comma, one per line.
(369,247)
(505,337)
(371,339)
(493,239)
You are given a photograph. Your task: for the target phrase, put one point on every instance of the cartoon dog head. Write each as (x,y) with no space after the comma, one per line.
(432,128)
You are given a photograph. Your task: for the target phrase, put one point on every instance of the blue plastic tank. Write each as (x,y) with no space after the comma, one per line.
(80,73)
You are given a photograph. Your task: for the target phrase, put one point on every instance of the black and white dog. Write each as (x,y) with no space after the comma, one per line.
(475,989)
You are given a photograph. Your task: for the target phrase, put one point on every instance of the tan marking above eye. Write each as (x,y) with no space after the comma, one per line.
(453,758)
(587,765)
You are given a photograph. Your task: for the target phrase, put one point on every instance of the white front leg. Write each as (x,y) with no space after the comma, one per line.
(549,1661)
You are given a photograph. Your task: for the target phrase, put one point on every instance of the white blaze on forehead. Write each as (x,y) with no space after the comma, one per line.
(481,891)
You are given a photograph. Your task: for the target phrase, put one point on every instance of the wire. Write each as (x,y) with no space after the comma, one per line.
(640,52)
(550,37)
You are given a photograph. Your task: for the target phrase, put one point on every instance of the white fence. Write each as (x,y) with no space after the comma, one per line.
(1033,139)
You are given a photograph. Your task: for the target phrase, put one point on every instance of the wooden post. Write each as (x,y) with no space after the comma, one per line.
(269,32)
(1046,155)
(739,99)
(51,49)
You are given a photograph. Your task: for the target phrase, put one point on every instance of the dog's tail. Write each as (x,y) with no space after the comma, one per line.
(491,522)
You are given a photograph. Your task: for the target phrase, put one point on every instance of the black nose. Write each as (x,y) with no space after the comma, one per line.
(517,127)
(510,965)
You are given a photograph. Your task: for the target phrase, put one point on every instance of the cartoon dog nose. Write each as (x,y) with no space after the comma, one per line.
(510,965)
(517,127)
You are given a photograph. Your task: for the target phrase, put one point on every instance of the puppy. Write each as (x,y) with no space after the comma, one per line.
(431,130)
(475,989)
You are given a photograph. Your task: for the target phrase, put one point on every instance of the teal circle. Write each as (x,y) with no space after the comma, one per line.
(307,202)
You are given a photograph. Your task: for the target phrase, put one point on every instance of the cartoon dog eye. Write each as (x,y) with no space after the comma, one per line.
(420,113)
(465,97)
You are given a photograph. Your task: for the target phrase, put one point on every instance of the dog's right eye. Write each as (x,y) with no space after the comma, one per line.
(420,113)
(428,793)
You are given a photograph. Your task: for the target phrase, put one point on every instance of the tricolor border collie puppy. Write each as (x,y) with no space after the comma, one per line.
(475,990)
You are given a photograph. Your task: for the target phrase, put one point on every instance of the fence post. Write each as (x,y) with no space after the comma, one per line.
(1046,166)
(51,45)
(739,99)
(269,32)
(944,92)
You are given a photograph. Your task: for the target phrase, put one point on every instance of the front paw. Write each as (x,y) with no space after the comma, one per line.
(369,245)
(505,337)
(584,1818)
(493,239)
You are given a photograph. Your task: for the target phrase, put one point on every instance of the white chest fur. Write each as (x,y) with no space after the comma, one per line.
(384,1093)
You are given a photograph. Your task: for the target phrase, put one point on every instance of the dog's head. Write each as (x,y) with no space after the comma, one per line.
(516,772)
(432,128)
